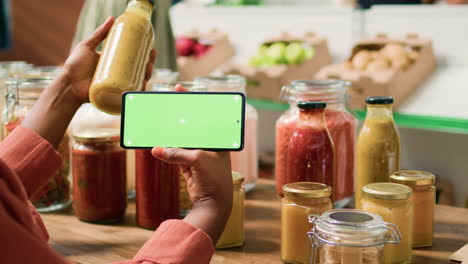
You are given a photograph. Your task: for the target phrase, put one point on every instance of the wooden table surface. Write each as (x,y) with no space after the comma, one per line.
(96,244)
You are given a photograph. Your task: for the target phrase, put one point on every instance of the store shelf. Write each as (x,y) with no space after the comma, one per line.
(425,122)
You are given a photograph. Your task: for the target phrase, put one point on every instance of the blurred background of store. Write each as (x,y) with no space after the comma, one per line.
(435,132)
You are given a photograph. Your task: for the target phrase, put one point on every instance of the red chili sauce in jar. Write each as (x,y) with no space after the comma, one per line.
(99,176)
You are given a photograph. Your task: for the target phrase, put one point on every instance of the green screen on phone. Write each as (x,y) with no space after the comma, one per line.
(213,121)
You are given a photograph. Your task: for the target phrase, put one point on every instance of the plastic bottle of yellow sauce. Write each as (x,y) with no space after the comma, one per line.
(391,202)
(423,200)
(122,65)
(300,200)
(233,234)
(378,145)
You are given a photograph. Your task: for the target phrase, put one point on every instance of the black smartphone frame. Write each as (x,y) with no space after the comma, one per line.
(122,118)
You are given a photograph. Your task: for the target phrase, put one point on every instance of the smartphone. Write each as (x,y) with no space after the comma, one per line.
(191,120)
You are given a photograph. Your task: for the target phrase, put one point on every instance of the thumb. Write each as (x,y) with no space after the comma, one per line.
(179,88)
(99,34)
(176,155)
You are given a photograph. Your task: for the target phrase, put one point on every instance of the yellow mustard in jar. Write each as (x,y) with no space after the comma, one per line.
(233,234)
(126,51)
(300,200)
(391,202)
(423,200)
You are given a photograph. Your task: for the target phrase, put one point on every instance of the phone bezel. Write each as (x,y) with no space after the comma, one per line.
(122,119)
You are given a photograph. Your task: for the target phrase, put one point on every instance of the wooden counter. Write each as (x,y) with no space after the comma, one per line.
(96,244)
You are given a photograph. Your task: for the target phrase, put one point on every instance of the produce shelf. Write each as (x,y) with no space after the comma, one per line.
(425,122)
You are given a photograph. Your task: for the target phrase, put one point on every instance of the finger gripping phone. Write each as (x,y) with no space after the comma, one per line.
(191,120)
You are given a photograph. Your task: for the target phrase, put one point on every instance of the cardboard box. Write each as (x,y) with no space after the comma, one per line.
(221,51)
(388,82)
(266,82)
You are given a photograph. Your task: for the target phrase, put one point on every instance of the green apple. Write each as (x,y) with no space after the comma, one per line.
(276,52)
(255,61)
(295,53)
(309,52)
(262,50)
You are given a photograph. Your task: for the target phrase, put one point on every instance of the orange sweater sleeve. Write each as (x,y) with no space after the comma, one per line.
(26,163)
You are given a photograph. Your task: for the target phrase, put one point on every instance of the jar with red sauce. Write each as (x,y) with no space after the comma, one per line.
(311,154)
(21,95)
(99,176)
(157,190)
(340,123)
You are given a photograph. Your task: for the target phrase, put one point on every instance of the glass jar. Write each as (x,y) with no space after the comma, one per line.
(99,176)
(157,190)
(233,234)
(378,145)
(122,65)
(16,69)
(20,98)
(162,76)
(245,161)
(391,202)
(300,200)
(340,123)
(310,151)
(185,202)
(423,201)
(45,71)
(350,237)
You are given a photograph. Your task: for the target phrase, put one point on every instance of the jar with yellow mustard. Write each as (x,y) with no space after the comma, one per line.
(233,234)
(423,200)
(391,202)
(378,145)
(300,200)
(126,51)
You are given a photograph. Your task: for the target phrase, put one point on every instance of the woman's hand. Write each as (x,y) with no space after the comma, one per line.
(209,183)
(80,66)
(52,113)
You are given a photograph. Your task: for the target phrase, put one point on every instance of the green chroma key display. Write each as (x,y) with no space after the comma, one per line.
(211,121)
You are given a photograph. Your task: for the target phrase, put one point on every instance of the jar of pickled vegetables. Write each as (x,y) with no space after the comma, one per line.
(246,161)
(99,176)
(350,237)
(340,123)
(20,97)
(391,202)
(233,234)
(300,200)
(185,203)
(423,201)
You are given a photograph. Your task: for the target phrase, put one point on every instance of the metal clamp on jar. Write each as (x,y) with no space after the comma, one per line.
(350,237)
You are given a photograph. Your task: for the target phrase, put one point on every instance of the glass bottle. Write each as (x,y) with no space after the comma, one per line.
(340,123)
(245,162)
(423,201)
(20,97)
(185,203)
(157,190)
(350,237)
(378,145)
(233,234)
(310,151)
(99,176)
(122,65)
(391,202)
(300,200)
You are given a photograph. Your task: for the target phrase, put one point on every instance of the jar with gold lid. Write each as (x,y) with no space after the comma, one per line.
(423,200)
(233,234)
(350,236)
(391,202)
(300,200)
(99,176)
